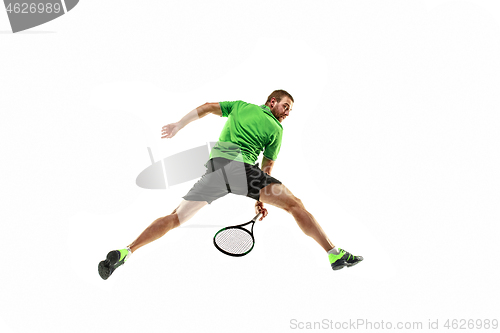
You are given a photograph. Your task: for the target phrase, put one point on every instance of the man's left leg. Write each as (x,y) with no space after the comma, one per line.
(186,210)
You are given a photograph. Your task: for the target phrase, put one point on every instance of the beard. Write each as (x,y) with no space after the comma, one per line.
(274,111)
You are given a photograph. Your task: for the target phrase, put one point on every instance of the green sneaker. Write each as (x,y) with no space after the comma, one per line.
(344,258)
(114,259)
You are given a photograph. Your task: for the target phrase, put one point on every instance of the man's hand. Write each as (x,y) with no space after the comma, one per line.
(168,131)
(259,208)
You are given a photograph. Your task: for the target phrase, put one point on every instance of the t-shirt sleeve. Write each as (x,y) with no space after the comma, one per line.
(273,148)
(227,107)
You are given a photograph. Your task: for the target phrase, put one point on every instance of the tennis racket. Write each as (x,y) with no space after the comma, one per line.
(237,240)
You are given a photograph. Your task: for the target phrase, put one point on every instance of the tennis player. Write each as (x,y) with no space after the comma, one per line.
(249,130)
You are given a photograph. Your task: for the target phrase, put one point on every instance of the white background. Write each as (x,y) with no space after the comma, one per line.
(393,145)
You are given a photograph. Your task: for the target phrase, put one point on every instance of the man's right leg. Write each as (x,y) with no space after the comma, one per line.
(157,229)
(280,196)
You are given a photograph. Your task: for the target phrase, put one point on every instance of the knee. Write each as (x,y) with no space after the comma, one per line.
(294,203)
(174,218)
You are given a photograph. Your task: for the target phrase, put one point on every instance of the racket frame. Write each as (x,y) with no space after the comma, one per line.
(241,227)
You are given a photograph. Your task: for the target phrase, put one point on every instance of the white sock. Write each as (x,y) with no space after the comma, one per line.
(335,251)
(129,253)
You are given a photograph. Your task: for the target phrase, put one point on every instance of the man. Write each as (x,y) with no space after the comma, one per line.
(249,130)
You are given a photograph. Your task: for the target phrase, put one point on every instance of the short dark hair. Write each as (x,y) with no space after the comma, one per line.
(278,94)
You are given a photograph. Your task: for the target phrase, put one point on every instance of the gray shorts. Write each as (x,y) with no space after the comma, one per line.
(225,176)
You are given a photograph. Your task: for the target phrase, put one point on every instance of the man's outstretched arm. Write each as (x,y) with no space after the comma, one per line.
(168,131)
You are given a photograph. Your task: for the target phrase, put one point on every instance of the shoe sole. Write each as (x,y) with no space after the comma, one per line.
(346,264)
(105,266)
(339,265)
(336,268)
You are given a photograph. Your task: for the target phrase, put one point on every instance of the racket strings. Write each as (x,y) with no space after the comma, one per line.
(234,240)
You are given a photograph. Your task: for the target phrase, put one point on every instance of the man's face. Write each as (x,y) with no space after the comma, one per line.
(282,109)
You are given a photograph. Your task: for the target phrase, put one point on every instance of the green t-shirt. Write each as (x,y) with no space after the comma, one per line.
(249,130)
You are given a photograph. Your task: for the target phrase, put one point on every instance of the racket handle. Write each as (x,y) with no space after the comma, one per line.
(256,217)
